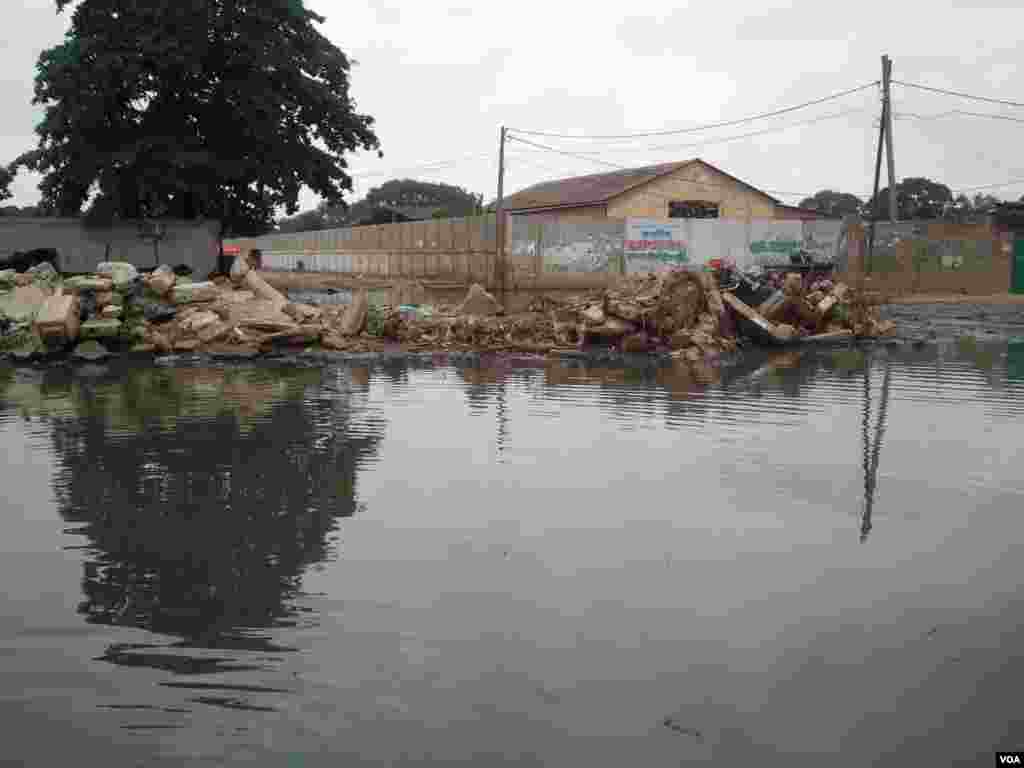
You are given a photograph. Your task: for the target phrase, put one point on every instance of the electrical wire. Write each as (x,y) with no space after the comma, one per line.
(913,116)
(727,139)
(960,94)
(707,126)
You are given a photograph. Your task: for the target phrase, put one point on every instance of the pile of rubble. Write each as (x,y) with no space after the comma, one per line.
(682,313)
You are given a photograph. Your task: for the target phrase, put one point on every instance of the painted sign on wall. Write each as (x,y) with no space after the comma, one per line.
(653,245)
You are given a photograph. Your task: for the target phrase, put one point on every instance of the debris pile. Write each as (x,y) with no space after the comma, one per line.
(682,313)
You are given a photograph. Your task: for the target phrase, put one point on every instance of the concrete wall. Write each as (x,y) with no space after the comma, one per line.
(552,253)
(81,248)
(694,182)
(940,257)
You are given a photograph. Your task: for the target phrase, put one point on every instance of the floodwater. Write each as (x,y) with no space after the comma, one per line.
(800,560)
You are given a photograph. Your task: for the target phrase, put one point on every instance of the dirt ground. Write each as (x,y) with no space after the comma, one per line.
(993,300)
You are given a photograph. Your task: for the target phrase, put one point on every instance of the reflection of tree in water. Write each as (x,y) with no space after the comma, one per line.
(209,498)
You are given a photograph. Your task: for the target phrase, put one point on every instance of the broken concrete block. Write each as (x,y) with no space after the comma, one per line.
(625,310)
(189,293)
(784,332)
(214,332)
(885,328)
(593,315)
(479,302)
(793,285)
(711,294)
(199,320)
(161,280)
(301,313)
(59,319)
(353,322)
(99,329)
(264,290)
(680,340)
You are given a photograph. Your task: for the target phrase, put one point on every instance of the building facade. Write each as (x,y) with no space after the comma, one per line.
(693,189)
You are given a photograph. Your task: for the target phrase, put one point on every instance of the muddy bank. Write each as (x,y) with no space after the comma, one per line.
(945,321)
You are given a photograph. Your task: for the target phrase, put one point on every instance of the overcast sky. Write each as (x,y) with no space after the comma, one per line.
(441,78)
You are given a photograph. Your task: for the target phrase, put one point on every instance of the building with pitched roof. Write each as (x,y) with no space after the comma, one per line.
(689,189)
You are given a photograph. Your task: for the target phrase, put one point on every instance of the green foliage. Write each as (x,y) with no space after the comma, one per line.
(834,205)
(916,198)
(217,108)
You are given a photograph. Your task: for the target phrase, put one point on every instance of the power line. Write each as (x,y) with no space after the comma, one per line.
(708,126)
(656,195)
(727,139)
(958,93)
(957,112)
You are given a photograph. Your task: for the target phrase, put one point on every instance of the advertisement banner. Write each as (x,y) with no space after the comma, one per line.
(655,245)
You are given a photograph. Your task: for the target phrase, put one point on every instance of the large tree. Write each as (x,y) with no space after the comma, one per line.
(916,198)
(216,108)
(834,205)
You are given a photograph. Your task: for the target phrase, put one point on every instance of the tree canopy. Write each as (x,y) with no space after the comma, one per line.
(834,205)
(6,177)
(916,198)
(408,193)
(394,201)
(222,109)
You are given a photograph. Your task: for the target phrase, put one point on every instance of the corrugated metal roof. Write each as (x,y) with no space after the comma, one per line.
(599,188)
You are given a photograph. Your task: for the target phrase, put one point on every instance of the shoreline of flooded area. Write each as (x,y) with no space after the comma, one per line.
(550,562)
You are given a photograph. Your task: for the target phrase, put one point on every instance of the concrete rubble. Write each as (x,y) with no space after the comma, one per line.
(679,313)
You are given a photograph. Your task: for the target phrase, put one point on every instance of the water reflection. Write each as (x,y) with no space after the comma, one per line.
(204,494)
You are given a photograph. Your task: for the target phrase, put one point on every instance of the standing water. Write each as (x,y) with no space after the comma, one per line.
(800,559)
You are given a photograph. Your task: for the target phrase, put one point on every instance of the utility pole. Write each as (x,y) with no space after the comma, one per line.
(887,119)
(499,225)
(874,195)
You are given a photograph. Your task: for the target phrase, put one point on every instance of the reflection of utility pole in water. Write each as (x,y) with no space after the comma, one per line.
(871,452)
(502,419)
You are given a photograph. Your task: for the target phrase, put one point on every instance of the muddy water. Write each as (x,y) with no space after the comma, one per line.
(796,561)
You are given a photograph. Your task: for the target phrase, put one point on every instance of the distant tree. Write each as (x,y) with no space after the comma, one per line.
(916,198)
(984,203)
(381,215)
(214,108)
(834,205)
(307,221)
(402,193)
(6,177)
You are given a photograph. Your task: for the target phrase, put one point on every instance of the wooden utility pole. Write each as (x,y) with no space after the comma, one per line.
(887,119)
(499,224)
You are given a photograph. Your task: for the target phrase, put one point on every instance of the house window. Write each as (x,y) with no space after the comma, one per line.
(692,209)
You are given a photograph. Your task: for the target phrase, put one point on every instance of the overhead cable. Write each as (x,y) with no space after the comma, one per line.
(958,93)
(707,126)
